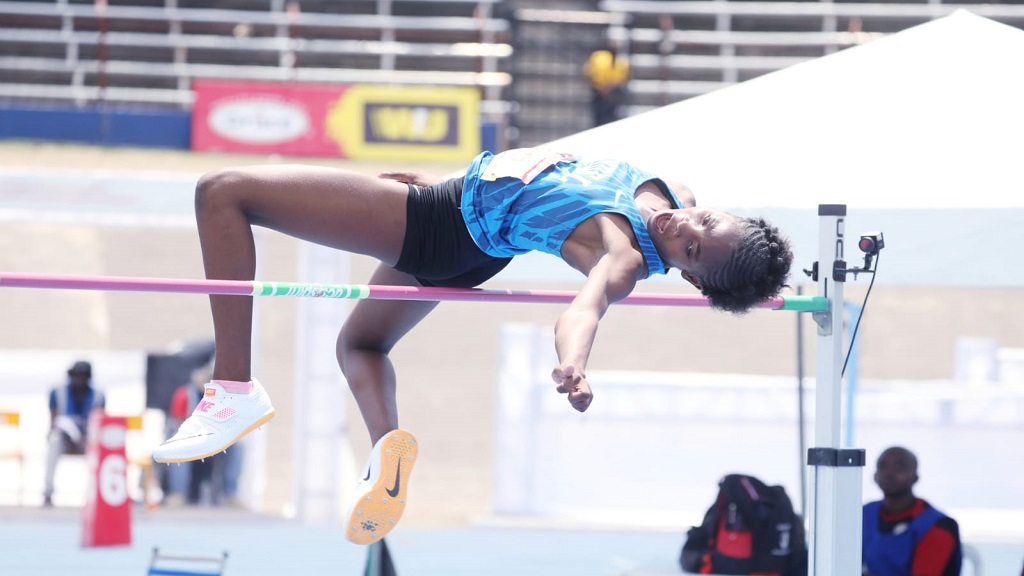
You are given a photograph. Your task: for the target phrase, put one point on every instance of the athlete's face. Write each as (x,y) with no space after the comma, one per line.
(695,240)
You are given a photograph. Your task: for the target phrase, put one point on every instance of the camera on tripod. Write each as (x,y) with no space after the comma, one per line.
(871,243)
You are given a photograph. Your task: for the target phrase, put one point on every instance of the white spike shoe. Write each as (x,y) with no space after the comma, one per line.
(218,421)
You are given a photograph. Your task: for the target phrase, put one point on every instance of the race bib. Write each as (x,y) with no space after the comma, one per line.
(523,163)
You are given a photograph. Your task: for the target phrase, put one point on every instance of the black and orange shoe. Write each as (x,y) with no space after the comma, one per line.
(381,495)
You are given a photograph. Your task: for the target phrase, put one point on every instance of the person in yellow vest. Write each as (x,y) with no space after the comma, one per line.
(607,70)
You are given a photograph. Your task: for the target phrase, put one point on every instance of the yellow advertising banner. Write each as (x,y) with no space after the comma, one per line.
(410,123)
(362,122)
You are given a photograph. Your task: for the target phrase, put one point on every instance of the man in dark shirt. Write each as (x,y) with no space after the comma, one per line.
(905,535)
(70,406)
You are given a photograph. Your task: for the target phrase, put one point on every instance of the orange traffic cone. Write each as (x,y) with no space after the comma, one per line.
(107,516)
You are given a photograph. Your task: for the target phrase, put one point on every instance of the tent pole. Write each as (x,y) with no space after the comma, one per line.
(835,515)
(800,420)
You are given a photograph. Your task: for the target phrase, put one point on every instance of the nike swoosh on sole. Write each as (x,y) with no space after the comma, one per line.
(398,481)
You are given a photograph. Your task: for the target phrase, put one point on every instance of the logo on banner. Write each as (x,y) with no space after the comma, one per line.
(386,122)
(411,124)
(259,119)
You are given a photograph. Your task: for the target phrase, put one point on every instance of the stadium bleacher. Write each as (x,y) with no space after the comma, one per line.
(525,56)
(149,52)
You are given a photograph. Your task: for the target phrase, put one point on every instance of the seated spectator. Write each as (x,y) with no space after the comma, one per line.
(903,534)
(70,406)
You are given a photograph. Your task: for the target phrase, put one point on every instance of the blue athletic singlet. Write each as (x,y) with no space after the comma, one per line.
(506,217)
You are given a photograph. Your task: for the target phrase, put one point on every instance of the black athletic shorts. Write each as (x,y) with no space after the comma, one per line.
(438,249)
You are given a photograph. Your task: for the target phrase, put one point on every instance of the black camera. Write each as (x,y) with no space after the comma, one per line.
(871,243)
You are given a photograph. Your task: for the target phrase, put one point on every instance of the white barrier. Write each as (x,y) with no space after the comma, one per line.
(652,447)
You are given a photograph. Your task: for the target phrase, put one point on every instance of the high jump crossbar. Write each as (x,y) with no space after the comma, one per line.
(363,291)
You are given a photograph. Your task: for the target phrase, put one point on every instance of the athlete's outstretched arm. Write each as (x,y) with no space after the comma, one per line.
(576,329)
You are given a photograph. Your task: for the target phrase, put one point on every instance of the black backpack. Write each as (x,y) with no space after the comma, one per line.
(750,529)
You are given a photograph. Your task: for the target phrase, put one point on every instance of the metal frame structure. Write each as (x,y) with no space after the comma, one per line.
(834,504)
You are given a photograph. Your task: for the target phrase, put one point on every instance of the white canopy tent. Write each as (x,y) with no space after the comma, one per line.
(920,134)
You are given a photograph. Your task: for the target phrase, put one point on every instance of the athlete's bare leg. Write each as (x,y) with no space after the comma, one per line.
(335,208)
(372,329)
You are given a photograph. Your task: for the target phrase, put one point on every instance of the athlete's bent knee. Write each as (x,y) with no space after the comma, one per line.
(217,187)
(352,350)
(360,367)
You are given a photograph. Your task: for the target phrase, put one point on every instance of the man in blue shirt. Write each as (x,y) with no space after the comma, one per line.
(903,534)
(70,406)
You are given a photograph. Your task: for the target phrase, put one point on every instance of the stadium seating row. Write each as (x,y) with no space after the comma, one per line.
(150,54)
(150,51)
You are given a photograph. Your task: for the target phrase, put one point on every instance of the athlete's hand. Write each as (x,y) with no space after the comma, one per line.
(417,178)
(574,384)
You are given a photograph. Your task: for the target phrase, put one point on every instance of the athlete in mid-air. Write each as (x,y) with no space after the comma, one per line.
(612,221)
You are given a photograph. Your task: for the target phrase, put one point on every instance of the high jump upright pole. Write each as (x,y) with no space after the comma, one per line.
(835,473)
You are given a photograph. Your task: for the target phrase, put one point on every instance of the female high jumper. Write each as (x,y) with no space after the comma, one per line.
(611,221)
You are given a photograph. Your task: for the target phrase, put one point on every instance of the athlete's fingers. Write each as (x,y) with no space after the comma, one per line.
(563,377)
(566,385)
(405,177)
(580,396)
(417,178)
(580,400)
(562,371)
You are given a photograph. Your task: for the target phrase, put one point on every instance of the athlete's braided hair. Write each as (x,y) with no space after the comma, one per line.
(756,271)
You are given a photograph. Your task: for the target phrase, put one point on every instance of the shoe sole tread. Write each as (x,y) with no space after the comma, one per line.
(375,512)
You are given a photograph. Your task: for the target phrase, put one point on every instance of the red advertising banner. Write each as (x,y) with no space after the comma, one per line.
(106,517)
(348,121)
